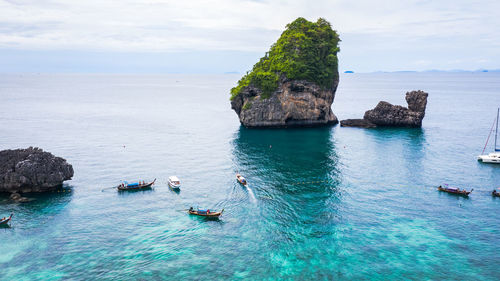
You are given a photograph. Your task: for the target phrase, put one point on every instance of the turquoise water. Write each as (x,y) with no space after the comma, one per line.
(322,204)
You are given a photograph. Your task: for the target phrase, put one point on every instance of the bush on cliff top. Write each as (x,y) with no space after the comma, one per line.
(304,51)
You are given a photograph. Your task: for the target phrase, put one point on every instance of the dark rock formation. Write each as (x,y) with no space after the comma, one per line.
(386,114)
(294,103)
(32,170)
(362,123)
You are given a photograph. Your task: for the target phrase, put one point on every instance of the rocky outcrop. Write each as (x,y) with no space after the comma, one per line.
(32,170)
(361,123)
(388,115)
(296,103)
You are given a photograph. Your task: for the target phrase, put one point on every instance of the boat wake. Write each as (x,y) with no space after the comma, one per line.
(252,195)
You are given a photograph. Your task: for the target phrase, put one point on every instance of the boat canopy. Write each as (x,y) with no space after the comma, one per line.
(126,183)
(173,178)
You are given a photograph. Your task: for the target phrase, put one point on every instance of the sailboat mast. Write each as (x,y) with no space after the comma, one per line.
(496,131)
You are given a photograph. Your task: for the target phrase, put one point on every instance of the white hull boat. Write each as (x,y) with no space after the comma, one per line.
(493,157)
(174,182)
(490,158)
(241,179)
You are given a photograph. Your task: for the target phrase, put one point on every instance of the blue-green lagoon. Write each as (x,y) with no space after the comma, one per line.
(322,204)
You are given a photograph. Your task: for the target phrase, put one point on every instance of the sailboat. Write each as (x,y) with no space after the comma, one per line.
(493,157)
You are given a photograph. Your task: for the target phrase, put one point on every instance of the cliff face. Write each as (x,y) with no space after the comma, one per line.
(294,103)
(388,115)
(32,170)
(294,84)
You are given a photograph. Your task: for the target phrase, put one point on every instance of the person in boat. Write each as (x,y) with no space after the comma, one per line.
(208,211)
(191,209)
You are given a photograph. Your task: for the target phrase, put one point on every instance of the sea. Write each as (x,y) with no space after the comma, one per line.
(329,203)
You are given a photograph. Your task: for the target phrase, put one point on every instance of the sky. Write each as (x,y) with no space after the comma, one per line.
(207,36)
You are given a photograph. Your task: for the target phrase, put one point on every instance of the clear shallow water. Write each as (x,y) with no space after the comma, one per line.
(328,203)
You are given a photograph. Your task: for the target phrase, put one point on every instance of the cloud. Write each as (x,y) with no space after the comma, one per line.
(133,25)
(366,27)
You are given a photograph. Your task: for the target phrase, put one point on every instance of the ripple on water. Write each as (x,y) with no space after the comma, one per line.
(331,203)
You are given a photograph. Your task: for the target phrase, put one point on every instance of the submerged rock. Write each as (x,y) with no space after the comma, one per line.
(32,170)
(388,115)
(16,197)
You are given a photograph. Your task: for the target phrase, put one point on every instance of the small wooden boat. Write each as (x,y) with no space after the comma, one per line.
(174,182)
(454,190)
(495,193)
(205,213)
(5,221)
(241,179)
(125,186)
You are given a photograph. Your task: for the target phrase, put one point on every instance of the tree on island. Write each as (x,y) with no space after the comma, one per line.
(305,51)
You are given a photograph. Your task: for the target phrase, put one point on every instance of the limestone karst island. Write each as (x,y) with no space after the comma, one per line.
(294,84)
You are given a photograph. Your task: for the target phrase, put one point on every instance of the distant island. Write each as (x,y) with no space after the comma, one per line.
(438,70)
(294,84)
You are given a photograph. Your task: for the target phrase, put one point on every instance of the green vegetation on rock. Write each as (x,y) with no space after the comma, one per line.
(247,105)
(305,51)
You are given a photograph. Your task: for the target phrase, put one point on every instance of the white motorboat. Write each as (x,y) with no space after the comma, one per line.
(241,179)
(493,157)
(174,182)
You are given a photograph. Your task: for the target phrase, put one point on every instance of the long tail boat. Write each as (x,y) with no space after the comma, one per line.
(125,186)
(495,193)
(455,190)
(5,221)
(205,213)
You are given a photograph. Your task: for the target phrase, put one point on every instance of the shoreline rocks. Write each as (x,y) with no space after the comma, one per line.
(296,103)
(31,170)
(388,115)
